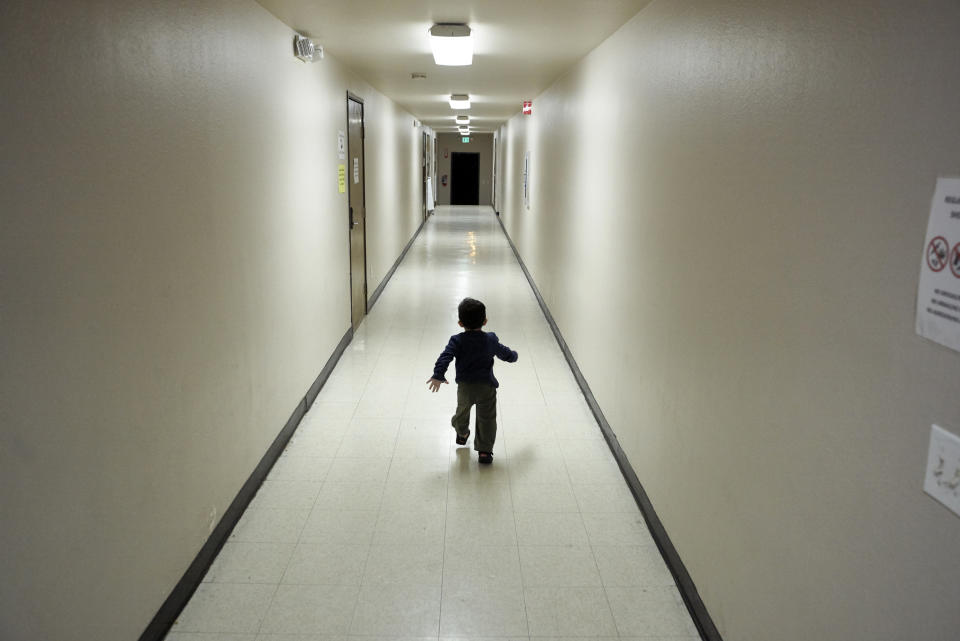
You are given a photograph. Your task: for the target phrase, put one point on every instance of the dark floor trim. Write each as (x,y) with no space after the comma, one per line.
(698,611)
(386,279)
(180,596)
(328,368)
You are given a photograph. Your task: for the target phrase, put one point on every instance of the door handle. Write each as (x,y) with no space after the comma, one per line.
(352,224)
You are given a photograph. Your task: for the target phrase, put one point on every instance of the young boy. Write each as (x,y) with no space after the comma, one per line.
(474,350)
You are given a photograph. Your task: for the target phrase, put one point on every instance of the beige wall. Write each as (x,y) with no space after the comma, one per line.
(479,144)
(729,233)
(393,182)
(173,276)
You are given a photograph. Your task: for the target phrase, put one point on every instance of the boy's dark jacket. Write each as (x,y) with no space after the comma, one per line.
(474,351)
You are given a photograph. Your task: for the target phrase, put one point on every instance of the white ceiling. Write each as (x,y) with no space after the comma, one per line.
(520,47)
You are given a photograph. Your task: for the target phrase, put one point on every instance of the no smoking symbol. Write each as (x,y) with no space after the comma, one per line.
(937,252)
(955,260)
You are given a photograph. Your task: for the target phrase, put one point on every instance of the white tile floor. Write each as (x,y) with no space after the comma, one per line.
(373,523)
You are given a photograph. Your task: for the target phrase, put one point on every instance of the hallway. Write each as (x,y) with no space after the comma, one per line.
(714,223)
(373,523)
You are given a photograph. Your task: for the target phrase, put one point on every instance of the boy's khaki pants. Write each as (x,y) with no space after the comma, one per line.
(484,396)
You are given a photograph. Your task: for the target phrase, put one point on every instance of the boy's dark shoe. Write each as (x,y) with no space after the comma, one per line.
(462,440)
(485,458)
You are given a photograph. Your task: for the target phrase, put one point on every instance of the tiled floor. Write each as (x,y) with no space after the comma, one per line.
(374,523)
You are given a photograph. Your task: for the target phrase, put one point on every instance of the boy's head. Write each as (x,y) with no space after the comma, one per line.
(473,313)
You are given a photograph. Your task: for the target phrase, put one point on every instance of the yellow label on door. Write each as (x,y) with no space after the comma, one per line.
(342,178)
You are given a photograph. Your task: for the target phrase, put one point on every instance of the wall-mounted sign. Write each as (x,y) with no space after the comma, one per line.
(342,179)
(938,295)
(341,145)
(465,139)
(356,171)
(527,107)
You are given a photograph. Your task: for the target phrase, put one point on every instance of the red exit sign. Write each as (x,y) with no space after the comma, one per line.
(527,107)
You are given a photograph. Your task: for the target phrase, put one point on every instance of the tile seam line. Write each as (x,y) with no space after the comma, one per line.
(684,583)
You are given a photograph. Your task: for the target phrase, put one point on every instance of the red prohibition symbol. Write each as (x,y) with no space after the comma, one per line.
(937,252)
(955,260)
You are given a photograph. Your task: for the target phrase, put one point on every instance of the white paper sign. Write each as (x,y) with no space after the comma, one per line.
(938,295)
(341,145)
(356,170)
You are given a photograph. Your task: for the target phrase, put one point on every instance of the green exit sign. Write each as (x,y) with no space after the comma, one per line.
(465,139)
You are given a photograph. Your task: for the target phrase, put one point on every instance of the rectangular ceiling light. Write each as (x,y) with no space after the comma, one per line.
(463,120)
(464,130)
(452,44)
(459,101)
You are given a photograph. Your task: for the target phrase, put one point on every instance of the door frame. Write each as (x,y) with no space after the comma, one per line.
(363,191)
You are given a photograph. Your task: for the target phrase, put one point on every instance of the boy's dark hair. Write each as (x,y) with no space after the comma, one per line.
(472,313)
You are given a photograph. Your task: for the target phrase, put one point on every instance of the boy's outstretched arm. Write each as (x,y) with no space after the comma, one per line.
(440,368)
(504,353)
(435,384)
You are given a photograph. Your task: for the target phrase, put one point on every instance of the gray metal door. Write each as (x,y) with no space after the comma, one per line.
(423,163)
(358,217)
(493,197)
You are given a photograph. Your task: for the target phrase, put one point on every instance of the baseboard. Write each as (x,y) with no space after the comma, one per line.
(180,596)
(371,301)
(698,611)
(328,368)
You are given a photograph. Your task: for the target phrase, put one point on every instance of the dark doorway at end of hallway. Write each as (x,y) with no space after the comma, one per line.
(464,178)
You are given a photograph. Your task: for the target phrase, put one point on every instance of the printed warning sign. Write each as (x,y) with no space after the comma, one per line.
(938,295)
(937,252)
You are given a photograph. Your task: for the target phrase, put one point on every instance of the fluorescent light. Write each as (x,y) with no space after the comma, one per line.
(463,120)
(464,130)
(459,101)
(452,44)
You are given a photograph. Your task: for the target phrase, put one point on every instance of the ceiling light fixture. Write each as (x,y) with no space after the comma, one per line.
(452,44)
(463,120)
(464,130)
(459,101)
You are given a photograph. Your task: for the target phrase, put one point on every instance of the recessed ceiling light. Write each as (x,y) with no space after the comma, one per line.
(463,120)
(452,44)
(459,101)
